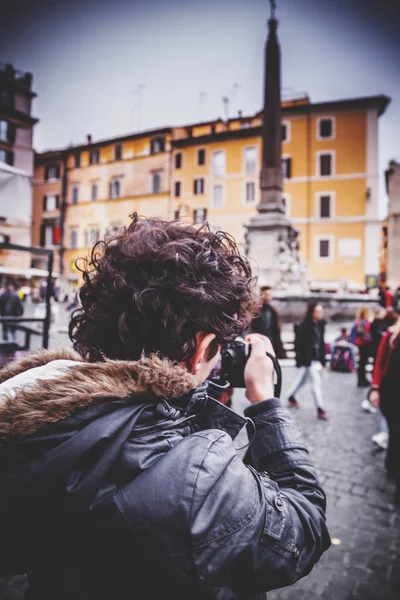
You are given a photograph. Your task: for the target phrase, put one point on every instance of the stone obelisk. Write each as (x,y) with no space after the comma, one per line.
(271,241)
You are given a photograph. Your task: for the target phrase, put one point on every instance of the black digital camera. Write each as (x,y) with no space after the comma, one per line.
(232,362)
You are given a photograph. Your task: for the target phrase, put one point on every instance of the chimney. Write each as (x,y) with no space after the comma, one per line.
(89,138)
(240,114)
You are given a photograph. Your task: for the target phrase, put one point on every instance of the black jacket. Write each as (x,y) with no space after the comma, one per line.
(267,323)
(144,496)
(305,340)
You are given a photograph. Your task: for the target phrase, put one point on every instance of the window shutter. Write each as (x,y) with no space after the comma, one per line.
(47,172)
(56,234)
(110,190)
(289,168)
(11,132)
(10,157)
(57,201)
(58,170)
(44,203)
(42,234)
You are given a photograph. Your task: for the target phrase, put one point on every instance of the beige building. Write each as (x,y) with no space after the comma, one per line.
(393,224)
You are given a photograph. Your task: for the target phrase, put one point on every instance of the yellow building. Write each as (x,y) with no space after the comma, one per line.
(330,166)
(108,181)
(210,172)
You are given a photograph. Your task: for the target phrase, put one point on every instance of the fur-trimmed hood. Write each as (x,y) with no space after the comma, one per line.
(48,386)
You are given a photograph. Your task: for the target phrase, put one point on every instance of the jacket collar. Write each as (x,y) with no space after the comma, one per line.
(29,402)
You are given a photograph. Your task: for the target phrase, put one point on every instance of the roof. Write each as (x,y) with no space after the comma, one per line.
(103,142)
(380,102)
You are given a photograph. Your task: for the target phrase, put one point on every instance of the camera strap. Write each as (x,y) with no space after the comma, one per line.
(278,371)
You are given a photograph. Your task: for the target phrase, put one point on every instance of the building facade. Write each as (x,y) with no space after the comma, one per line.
(330,168)
(16,122)
(49,207)
(108,181)
(393,225)
(16,168)
(210,172)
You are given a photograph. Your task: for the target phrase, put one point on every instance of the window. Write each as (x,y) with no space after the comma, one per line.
(325,164)
(50,202)
(52,172)
(91,236)
(7,132)
(245,124)
(6,100)
(285,131)
(286,168)
(75,194)
(217,196)
(178,189)
(156,182)
(325,128)
(7,156)
(118,151)
(218,163)
(73,239)
(49,233)
(157,145)
(178,160)
(199,216)
(324,206)
(201,157)
(250,160)
(115,188)
(198,186)
(94,157)
(324,248)
(77,160)
(94,192)
(250,192)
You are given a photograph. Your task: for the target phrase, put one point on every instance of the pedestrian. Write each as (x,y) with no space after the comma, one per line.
(385,394)
(10,306)
(343,356)
(118,470)
(267,322)
(360,336)
(310,357)
(388,297)
(383,320)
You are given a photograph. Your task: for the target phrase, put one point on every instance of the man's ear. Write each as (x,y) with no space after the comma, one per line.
(200,356)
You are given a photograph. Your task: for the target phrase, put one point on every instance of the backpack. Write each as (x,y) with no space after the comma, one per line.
(342,361)
(359,334)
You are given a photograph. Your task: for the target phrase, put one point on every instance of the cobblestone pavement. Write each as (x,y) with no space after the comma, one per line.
(365,562)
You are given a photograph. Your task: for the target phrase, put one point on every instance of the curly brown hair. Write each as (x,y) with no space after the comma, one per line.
(155,286)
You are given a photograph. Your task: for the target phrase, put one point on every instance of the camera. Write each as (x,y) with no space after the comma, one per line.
(232,362)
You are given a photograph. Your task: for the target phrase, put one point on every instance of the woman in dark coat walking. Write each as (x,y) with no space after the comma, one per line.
(310,357)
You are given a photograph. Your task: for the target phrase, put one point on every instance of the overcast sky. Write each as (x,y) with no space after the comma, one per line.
(89,57)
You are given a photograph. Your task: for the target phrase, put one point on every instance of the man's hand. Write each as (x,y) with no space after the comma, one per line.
(259,370)
(375,398)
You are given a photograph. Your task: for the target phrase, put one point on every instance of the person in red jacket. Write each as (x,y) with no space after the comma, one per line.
(385,394)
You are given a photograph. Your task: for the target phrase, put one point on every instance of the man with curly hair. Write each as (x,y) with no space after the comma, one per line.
(118,468)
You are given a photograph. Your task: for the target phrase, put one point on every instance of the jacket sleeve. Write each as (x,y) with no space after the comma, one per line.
(381,360)
(260,525)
